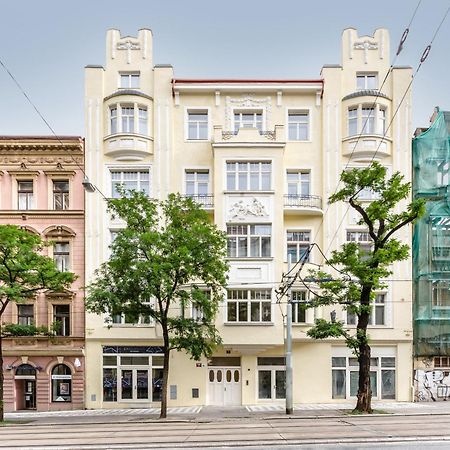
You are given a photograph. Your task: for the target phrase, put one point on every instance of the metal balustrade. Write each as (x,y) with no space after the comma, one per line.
(302,201)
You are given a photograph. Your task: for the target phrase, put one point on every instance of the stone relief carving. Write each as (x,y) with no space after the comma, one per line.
(246,101)
(242,210)
(128,46)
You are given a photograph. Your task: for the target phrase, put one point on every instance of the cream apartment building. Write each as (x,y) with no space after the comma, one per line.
(261,156)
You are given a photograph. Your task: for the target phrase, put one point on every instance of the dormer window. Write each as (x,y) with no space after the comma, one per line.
(366,81)
(129,80)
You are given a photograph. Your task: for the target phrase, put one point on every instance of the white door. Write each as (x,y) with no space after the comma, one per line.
(272,383)
(224,386)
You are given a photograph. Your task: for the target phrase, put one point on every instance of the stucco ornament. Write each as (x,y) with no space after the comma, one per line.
(253,208)
(128,45)
(366,46)
(246,101)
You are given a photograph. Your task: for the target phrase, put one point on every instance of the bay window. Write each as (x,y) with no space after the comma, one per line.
(249,175)
(366,119)
(128,118)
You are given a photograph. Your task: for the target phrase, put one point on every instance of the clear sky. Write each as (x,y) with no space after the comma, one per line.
(47,43)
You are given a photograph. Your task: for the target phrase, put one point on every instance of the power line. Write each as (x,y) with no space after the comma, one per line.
(22,90)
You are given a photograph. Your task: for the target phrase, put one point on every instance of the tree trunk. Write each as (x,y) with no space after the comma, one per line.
(364,402)
(2,409)
(163,413)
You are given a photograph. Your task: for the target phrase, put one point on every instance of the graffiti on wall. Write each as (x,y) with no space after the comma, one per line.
(432,385)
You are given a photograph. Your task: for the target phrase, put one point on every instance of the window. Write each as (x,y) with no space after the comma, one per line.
(61,384)
(249,305)
(366,81)
(25,194)
(61,256)
(352,121)
(298,243)
(197,124)
(61,194)
(129,80)
(299,302)
(124,319)
(298,183)
(442,173)
(127,119)
(249,241)
(61,316)
(197,182)
(248,119)
(363,239)
(298,125)
(345,377)
(113,120)
(441,294)
(249,175)
(196,308)
(129,180)
(377,316)
(25,314)
(366,119)
(143,127)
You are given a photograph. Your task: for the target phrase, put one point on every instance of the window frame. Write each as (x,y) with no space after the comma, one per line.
(29,205)
(66,323)
(197,110)
(19,315)
(65,195)
(117,119)
(129,76)
(351,319)
(246,302)
(366,76)
(127,169)
(57,380)
(65,256)
(300,111)
(248,236)
(298,243)
(248,171)
(249,110)
(195,181)
(299,183)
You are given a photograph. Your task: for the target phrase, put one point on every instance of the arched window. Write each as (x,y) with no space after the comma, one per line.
(61,383)
(26,370)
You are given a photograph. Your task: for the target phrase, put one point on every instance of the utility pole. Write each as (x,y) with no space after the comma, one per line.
(289,400)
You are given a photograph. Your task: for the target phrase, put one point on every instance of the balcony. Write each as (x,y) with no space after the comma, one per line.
(249,136)
(303,204)
(128,147)
(206,201)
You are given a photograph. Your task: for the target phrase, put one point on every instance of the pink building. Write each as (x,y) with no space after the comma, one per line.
(41,190)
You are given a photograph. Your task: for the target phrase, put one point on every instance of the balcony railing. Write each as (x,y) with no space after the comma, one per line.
(270,135)
(302,201)
(204,200)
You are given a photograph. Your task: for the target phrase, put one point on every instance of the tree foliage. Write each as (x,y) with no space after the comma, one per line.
(24,272)
(356,273)
(168,258)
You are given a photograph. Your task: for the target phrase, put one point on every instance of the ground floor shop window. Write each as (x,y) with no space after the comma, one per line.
(132,376)
(345,373)
(61,383)
(271,378)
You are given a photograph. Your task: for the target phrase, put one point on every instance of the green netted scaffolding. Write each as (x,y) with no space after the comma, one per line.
(431,239)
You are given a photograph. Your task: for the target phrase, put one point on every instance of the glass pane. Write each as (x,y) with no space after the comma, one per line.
(388,384)
(243,181)
(134,360)
(142,383)
(254,247)
(228,376)
(110,360)
(231,312)
(379,315)
(236,376)
(354,377)
(280,384)
(373,383)
(271,361)
(158,361)
(265,247)
(338,383)
(219,376)
(266,312)
(242,247)
(211,376)
(255,311)
(110,385)
(243,312)
(127,384)
(157,378)
(338,361)
(388,362)
(264,384)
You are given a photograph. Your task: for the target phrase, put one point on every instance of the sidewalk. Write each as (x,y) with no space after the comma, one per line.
(218,413)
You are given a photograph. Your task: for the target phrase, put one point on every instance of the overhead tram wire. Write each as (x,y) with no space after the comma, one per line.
(22,90)
(423,58)
(399,49)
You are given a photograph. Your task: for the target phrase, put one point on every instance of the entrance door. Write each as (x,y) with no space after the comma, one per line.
(271,384)
(30,394)
(135,384)
(224,386)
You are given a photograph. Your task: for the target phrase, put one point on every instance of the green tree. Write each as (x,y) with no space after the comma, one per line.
(355,273)
(24,271)
(162,260)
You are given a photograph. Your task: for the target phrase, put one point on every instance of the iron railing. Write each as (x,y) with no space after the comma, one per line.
(302,201)
(204,200)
